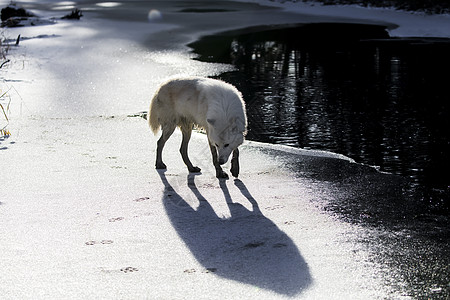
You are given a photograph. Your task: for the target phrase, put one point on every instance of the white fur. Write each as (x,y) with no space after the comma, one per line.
(209,103)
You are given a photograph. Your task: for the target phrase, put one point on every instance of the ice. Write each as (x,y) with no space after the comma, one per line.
(84,214)
(401,23)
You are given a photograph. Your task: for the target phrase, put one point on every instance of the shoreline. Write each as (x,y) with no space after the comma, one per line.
(85,204)
(410,24)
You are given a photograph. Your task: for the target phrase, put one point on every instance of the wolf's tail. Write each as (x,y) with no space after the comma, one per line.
(153,120)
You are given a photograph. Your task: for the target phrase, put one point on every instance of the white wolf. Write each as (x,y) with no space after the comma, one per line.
(211,104)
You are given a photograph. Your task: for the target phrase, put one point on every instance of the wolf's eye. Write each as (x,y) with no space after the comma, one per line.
(217,146)
(226,145)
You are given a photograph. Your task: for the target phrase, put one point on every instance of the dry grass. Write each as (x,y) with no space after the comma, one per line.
(5,101)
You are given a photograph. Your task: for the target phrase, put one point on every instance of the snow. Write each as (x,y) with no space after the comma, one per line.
(406,24)
(86,215)
(84,205)
(59,74)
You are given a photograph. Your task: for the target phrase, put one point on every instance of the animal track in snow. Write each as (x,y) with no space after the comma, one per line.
(129,270)
(206,271)
(104,242)
(210,270)
(209,186)
(122,270)
(289,222)
(276,206)
(116,219)
(142,199)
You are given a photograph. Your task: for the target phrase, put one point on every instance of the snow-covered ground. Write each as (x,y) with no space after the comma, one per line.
(407,24)
(84,214)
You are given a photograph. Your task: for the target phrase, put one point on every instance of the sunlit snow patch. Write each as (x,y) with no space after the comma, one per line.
(154,15)
(306,152)
(185,65)
(108,4)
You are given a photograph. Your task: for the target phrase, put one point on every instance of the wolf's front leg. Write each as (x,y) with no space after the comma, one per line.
(235,163)
(219,172)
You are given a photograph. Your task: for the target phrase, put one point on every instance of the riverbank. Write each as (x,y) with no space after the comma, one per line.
(429,7)
(406,23)
(85,214)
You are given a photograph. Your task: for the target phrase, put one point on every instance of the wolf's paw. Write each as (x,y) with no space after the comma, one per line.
(221,174)
(160,166)
(195,170)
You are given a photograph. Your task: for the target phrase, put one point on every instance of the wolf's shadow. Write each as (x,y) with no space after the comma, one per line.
(248,247)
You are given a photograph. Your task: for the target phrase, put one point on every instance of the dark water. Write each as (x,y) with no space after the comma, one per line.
(349,89)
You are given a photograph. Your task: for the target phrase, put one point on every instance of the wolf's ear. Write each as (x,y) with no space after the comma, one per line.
(211,121)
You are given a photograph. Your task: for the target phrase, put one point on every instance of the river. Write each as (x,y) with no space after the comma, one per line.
(349,89)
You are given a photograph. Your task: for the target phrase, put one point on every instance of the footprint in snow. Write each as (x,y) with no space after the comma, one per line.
(141,199)
(104,242)
(129,270)
(277,206)
(123,270)
(207,270)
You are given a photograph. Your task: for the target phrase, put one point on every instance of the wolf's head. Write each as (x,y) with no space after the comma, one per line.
(226,136)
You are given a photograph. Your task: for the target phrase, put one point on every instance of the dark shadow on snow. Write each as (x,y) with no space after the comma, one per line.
(248,247)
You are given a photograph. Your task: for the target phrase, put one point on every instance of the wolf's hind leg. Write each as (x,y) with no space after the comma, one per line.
(186,130)
(166,133)
(235,163)
(219,172)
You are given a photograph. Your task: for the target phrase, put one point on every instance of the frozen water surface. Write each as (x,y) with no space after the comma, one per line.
(85,215)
